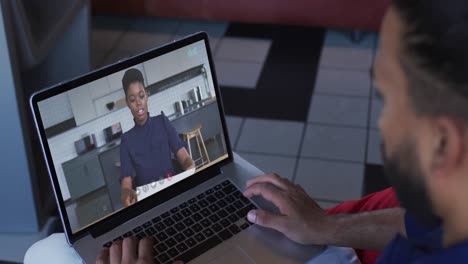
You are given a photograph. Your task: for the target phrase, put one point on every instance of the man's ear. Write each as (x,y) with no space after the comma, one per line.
(449,145)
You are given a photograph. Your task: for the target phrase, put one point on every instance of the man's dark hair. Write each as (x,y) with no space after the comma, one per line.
(130,76)
(434,55)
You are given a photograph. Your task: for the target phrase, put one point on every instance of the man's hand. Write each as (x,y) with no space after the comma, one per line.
(129,251)
(301,219)
(129,197)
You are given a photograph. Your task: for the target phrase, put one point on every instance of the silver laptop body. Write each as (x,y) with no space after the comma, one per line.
(182,84)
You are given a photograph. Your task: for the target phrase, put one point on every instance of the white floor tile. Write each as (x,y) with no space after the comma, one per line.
(234,126)
(339,110)
(374,154)
(343,82)
(117,55)
(330,180)
(98,58)
(347,58)
(214,44)
(244,49)
(238,74)
(333,142)
(104,39)
(137,42)
(270,137)
(283,166)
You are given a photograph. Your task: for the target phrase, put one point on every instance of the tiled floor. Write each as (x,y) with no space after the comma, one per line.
(330,150)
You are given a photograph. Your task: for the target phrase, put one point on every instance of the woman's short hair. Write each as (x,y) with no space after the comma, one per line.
(130,76)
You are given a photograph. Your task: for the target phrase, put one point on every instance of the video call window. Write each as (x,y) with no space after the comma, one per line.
(122,138)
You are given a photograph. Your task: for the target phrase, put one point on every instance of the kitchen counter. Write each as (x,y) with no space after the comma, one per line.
(106,147)
(109,146)
(86,172)
(194,107)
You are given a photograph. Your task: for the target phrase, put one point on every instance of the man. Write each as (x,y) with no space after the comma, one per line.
(422,74)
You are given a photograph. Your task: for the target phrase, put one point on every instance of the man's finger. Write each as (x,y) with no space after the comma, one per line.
(103,257)
(129,250)
(267,191)
(116,252)
(267,219)
(270,178)
(145,249)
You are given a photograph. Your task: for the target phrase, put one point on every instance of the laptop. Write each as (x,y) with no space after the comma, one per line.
(185,181)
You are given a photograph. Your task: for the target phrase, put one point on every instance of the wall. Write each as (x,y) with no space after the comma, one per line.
(19,214)
(58,109)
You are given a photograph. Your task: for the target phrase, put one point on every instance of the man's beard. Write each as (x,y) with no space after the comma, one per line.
(404,173)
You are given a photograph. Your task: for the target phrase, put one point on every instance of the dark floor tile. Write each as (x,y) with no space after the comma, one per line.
(374,179)
(288,76)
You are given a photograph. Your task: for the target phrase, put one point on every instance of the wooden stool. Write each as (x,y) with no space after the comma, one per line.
(196,133)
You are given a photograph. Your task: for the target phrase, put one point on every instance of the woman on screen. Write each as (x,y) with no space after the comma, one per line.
(145,150)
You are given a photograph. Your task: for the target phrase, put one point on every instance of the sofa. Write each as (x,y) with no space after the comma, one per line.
(362,15)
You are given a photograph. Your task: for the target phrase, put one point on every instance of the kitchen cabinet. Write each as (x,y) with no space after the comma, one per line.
(109,160)
(55,110)
(185,59)
(83,174)
(93,207)
(99,88)
(82,104)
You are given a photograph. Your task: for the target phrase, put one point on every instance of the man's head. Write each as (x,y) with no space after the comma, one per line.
(135,94)
(422,73)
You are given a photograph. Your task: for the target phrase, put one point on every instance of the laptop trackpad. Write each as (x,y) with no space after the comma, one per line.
(232,255)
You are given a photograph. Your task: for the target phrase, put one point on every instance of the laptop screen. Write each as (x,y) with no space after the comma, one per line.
(119,139)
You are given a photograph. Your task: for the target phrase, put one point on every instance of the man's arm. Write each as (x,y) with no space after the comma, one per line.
(303,221)
(184,159)
(371,230)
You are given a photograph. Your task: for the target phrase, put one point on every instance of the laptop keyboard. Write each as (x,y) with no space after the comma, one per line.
(196,225)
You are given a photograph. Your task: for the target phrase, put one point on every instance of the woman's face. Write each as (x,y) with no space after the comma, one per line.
(137,100)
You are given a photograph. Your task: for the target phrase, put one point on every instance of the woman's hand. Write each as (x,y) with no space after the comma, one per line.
(129,197)
(184,159)
(127,194)
(301,219)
